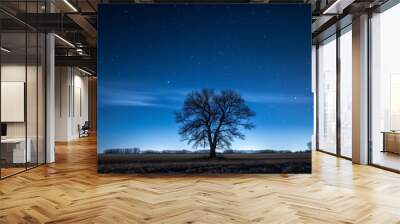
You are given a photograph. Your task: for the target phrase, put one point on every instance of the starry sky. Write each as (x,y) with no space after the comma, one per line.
(151,56)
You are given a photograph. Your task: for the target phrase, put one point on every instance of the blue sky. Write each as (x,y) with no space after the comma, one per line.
(151,56)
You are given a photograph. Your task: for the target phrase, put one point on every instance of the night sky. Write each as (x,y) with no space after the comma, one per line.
(151,55)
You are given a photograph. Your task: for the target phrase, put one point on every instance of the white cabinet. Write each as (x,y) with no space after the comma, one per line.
(20,155)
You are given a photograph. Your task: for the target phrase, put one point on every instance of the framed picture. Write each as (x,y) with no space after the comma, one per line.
(204,88)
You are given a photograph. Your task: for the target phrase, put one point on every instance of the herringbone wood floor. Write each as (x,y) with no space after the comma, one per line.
(70,191)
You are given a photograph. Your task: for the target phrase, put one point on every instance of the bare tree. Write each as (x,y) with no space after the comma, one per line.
(214,120)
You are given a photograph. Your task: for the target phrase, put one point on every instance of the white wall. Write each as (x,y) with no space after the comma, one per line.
(71,102)
(62,82)
(33,127)
(14,72)
(80,89)
(17,73)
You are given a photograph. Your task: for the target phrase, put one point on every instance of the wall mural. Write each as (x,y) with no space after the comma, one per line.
(204,88)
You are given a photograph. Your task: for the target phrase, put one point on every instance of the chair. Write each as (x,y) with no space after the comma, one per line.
(84,130)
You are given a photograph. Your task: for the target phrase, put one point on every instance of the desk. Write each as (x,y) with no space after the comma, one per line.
(391,141)
(19,155)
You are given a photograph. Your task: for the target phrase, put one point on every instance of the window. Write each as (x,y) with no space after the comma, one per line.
(346,92)
(385,88)
(22,88)
(327,95)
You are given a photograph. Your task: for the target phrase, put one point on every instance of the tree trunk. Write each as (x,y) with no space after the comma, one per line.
(213,152)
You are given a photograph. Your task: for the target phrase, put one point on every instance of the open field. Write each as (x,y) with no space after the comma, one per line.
(199,163)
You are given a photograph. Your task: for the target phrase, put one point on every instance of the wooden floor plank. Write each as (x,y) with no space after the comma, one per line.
(71,191)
